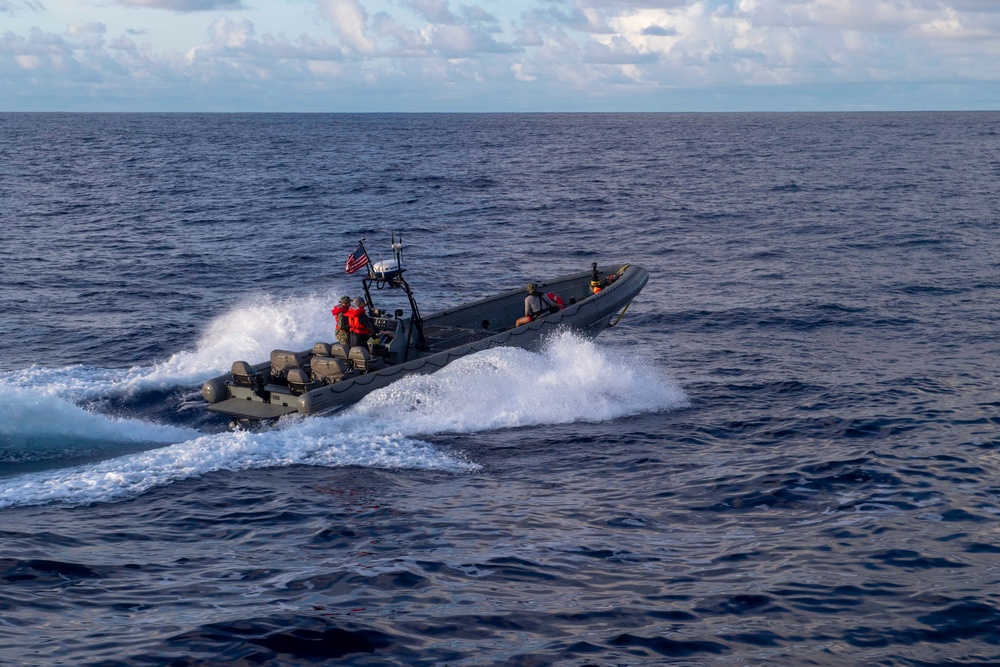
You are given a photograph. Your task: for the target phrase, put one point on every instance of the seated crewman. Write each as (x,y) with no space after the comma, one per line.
(537,303)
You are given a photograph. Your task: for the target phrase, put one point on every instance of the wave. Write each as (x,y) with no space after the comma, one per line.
(250,330)
(35,427)
(572,380)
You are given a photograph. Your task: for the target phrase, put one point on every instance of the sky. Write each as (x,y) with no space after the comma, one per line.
(499,55)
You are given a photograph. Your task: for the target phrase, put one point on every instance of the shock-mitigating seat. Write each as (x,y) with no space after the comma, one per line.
(363,360)
(283,361)
(328,370)
(299,382)
(243,374)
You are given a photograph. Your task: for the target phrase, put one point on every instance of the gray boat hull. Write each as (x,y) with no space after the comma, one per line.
(491,320)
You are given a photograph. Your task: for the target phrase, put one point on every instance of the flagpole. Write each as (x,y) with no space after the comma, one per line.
(369,307)
(371,270)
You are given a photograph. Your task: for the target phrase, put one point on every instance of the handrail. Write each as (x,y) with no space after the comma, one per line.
(620,315)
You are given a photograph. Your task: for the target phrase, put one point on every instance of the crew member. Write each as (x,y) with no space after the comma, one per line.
(537,304)
(595,286)
(343,327)
(360,323)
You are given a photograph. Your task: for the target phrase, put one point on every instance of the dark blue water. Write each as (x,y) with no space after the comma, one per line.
(788,452)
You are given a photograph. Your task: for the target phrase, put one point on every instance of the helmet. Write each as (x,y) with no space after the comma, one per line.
(345,300)
(359,302)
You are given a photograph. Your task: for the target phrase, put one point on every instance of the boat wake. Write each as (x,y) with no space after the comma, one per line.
(38,428)
(249,331)
(571,380)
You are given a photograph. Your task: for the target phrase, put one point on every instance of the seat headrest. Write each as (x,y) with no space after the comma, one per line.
(241,368)
(284,359)
(297,376)
(358,352)
(328,369)
(321,349)
(338,350)
(325,363)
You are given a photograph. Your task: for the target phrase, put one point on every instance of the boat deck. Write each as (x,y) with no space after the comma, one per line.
(251,409)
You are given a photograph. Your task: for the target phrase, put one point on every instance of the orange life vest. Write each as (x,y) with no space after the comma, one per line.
(354,319)
(339,310)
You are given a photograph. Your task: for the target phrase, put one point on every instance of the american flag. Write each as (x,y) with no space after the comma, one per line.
(357,259)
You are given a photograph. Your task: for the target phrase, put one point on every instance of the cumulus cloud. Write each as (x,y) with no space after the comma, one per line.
(435,11)
(659,31)
(14,7)
(86,28)
(350,21)
(183,5)
(916,17)
(454,41)
(235,46)
(552,49)
(44,55)
(439,31)
(528,36)
(618,51)
(476,14)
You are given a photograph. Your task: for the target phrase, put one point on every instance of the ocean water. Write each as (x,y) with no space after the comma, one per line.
(787,452)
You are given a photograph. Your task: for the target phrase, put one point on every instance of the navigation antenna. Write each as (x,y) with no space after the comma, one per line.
(397,250)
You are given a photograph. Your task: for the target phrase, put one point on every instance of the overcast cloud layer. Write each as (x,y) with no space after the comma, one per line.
(493,55)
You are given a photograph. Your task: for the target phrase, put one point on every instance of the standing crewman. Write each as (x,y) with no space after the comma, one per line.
(342,328)
(360,323)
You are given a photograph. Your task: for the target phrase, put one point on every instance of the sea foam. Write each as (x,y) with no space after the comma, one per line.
(249,331)
(37,426)
(571,380)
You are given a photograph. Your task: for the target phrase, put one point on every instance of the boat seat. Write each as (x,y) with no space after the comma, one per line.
(243,374)
(363,360)
(338,351)
(283,361)
(321,350)
(299,381)
(328,370)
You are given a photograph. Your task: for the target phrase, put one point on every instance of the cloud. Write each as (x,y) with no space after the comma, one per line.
(454,41)
(183,6)
(659,31)
(15,7)
(86,28)
(476,14)
(469,32)
(435,11)
(582,19)
(350,21)
(48,58)
(545,52)
(235,48)
(618,51)
(528,36)
(36,46)
(915,17)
